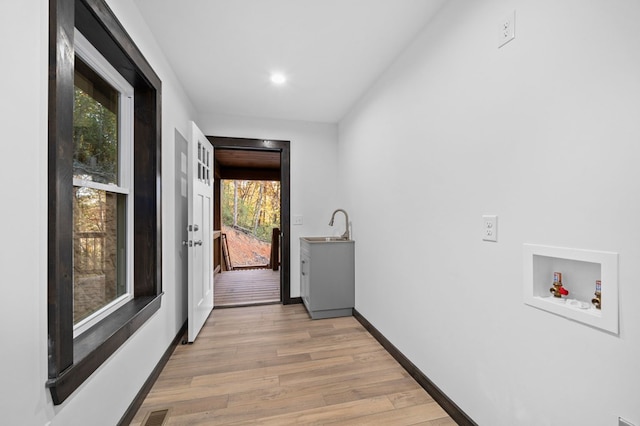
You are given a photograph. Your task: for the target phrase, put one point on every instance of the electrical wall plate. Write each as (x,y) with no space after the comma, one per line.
(507,29)
(490,228)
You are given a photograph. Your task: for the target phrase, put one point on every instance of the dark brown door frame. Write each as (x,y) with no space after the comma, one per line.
(219,142)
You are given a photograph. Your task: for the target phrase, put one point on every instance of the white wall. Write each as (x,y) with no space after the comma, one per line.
(544,133)
(105,396)
(23,161)
(314,171)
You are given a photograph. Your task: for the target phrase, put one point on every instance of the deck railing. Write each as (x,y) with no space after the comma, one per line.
(274,260)
(217,250)
(90,259)
(222,259)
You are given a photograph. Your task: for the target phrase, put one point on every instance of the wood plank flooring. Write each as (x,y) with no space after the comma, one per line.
(272,365)
(246,287)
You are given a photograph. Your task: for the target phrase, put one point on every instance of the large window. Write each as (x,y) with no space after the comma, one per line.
(104,229)
(102,169)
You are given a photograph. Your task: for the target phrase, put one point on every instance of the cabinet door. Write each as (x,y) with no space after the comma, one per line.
(305,267)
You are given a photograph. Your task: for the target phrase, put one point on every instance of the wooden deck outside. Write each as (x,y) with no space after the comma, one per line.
(272,365)
(246,287)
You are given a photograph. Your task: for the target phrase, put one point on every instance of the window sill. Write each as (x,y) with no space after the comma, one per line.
(93,347)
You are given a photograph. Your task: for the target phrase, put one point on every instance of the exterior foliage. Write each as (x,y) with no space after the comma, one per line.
(95,135)
(252,206)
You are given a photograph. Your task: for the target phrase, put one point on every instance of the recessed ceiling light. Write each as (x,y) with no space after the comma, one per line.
(278,78)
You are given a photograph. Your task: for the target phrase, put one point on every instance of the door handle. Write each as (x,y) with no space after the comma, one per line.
(187,243)
(197,243)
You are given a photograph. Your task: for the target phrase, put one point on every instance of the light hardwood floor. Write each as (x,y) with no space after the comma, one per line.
(272,365)
(246,287)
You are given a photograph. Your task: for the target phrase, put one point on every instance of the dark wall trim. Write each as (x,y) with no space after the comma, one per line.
(71,361)
(246,173)
(60,202)
(445,402)
(285,202)
(135,405)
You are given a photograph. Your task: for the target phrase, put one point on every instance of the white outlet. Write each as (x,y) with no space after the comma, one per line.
(507,30)
(297,220)
(490,228)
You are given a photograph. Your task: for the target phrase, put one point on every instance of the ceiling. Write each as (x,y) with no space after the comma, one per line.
(332,51)
(255,159)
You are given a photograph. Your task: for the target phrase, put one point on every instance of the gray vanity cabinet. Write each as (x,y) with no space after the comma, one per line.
(327,277)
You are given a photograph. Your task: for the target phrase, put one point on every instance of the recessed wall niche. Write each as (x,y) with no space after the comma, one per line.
(580,270)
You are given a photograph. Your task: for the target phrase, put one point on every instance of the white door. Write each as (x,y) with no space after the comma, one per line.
(200,231)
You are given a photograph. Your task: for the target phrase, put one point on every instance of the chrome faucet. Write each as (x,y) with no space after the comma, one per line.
(346,218)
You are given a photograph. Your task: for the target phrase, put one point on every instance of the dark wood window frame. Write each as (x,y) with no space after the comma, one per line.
(72,361)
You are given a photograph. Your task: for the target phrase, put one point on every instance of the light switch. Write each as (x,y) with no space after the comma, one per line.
(490,228)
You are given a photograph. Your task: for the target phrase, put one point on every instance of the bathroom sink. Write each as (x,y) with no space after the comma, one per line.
(325,239)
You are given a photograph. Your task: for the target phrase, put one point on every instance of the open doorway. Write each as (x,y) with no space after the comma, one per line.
(251,254)
(250,240)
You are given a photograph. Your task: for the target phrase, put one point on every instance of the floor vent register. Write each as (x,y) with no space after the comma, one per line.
(156,418)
